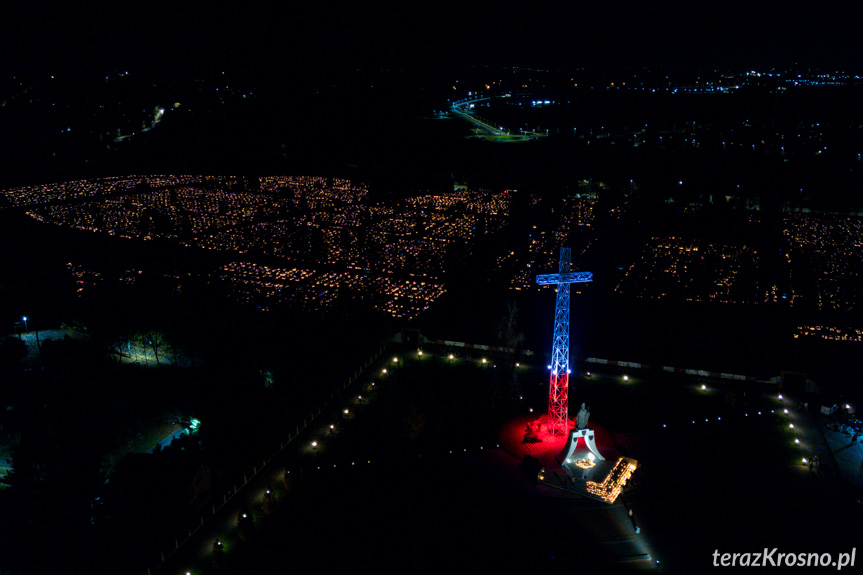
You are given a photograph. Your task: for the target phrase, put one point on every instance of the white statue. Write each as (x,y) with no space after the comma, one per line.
(581,418)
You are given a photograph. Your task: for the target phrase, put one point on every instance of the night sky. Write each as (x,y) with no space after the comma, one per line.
(313,37)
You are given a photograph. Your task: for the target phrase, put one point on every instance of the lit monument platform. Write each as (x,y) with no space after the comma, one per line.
(600,479)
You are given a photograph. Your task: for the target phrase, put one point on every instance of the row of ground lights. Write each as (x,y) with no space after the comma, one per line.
(218,546)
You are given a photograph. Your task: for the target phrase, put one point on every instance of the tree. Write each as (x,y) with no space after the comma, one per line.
(511,339)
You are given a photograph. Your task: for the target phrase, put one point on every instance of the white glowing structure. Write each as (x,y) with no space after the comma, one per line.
(589,442)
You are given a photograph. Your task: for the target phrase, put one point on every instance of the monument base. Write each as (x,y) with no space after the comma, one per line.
(586,471)
(601,481)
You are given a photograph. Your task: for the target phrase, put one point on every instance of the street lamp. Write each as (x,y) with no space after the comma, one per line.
(24,318)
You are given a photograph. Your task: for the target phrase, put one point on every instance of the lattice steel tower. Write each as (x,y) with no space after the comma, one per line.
(558,391)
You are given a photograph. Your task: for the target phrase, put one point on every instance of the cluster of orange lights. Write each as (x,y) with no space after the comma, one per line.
(609,489)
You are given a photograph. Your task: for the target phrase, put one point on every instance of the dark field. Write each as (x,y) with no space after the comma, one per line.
(732,484)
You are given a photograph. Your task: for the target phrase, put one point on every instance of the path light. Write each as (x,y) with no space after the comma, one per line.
(314,444)
(786,411)
(451,356)
(346,412)
(625,378)
(796,440)
(420,353)
(780,396)
(805,460)
(703,386)
(791,425)
(483,360)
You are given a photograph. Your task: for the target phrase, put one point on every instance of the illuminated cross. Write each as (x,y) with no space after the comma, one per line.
(558,392)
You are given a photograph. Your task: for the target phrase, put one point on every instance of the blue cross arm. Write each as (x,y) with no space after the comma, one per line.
(573,277)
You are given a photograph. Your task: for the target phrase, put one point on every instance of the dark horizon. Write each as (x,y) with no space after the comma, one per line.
(312,40)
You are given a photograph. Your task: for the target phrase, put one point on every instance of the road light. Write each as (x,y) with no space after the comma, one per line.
(24,319)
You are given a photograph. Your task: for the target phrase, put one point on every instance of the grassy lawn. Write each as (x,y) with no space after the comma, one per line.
(401,482)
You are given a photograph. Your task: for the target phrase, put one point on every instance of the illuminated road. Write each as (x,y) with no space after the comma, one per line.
(463,109)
